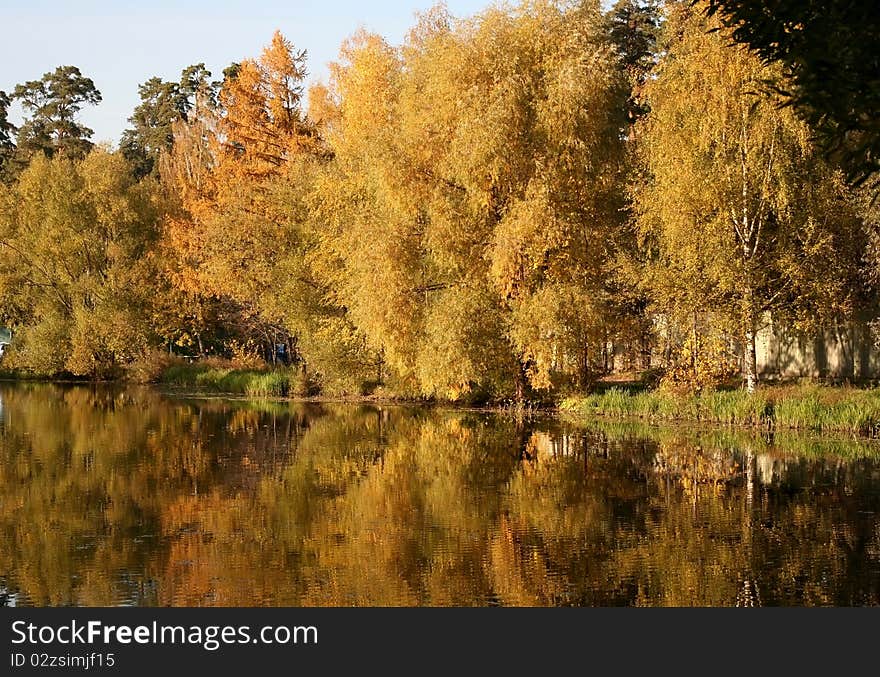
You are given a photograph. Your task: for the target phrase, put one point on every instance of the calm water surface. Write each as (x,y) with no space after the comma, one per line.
(126,496)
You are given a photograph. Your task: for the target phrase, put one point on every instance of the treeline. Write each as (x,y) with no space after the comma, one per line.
(510,203)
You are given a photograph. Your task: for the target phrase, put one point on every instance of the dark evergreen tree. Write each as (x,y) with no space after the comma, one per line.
(635,26)
(162,104)
(51,105)
(7,129)
(829,49)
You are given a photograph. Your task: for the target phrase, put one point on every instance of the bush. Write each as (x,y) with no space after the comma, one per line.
(151,365)
(303,384)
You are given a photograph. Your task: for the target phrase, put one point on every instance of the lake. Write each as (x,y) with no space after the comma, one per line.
(127,496)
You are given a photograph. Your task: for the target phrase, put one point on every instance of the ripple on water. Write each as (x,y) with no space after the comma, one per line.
(158,501)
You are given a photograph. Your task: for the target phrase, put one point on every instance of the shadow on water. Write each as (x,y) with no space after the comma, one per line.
(114,496)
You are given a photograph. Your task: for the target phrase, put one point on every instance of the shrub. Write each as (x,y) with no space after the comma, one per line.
(151,365)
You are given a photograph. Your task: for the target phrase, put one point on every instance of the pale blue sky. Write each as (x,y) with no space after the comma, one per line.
(121,44)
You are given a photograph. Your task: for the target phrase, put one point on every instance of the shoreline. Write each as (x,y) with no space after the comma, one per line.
(812,409)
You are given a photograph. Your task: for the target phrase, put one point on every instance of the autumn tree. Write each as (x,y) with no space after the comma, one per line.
(262,140)
(741,217)
(73,238)
(241,233)
(472,200)
(263,123)
(188,313)
(51,105)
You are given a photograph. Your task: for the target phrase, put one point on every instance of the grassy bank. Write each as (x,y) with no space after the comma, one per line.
(812,408)
(720,439)
(250,382)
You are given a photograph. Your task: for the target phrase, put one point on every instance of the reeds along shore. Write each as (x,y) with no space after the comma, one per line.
(805,407)
(815,408)
(285,382)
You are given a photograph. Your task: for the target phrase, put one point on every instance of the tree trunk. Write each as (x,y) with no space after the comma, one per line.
(750,353)
(520,381)
(584,369)
(751,361)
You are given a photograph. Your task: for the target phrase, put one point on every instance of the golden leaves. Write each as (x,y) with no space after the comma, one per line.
(728,194)
(472,170)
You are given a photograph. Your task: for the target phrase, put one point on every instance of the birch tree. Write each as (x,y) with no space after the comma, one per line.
(741,216)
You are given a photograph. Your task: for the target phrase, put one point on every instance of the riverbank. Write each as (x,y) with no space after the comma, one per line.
(812,408)
(282,382)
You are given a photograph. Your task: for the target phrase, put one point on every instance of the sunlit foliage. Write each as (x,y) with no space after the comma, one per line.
(476,195)
(740,217)
(506,206)
(73,279)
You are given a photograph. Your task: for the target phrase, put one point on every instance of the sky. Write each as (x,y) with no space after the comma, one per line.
(122,44)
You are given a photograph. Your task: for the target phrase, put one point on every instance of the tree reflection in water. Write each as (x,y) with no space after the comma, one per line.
(125,496)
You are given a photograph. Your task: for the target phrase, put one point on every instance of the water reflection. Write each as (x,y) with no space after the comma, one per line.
(119,496)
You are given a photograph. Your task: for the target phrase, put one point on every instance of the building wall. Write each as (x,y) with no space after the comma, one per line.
(846,352)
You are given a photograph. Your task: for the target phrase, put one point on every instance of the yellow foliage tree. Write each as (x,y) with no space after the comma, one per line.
(739,216)
(74,281)
(481,160)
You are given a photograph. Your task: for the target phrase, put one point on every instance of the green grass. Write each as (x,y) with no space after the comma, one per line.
(854,411)
(248,382)
(273,384)
(723,438)
(804,408)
